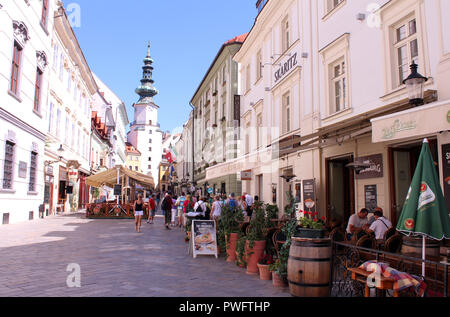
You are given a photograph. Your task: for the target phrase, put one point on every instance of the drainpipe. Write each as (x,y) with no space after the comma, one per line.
(193,139)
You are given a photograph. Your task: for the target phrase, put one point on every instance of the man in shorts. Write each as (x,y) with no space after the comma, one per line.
(152,209)
(180,204)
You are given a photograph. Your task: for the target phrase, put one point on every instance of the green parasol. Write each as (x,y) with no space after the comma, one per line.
(425,212)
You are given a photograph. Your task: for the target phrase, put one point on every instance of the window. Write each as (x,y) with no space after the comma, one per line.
(149,167)
(224,112)
(150,149)
(8,167)
(37,91)
(224,74)
(247,138)
(66,136)
(61,67)
(287,113)
(151,132)
(69,80)
(17,59)
(58,123)
(338,86)
(33,172)
(75,92)
(259,129)
(285,40)
(44,13)
(259,65)
(406,47)
(131,168)
(79,142)
(72,145)
(55,56)
(332,4)
(50,117)
(149,159)
(150,141)
(247,78)
(136,169)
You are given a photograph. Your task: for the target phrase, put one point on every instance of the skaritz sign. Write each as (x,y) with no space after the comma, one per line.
(286,67)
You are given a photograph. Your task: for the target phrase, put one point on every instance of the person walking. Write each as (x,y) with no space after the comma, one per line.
(174,210)
(180,205)
(216,211)
(249,201)
(166,206)
(138,212)
(151,209)
(200,207)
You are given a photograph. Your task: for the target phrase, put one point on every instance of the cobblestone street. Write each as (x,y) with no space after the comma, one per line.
(114,261)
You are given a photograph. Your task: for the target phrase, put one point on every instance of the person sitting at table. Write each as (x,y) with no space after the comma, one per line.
(380,225)
(357,222)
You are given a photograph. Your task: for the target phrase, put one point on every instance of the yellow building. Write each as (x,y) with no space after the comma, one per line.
(133,158)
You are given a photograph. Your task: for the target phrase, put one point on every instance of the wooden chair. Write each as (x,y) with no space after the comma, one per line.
(367,241)
(337,234)
(394,244)
(278,239)
(391,232)
(358,235)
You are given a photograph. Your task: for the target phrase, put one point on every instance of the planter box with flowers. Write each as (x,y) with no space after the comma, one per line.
(311,226)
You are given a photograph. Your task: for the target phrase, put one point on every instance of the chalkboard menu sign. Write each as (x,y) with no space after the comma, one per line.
(204,238)
(371,197)
(309,195)
(446,172)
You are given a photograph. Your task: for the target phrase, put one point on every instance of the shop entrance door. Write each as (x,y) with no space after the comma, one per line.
(340,189)
(404,160)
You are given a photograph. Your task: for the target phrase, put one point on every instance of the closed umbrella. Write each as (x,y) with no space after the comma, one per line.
(425,212)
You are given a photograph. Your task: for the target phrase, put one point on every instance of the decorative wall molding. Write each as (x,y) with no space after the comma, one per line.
(42,60)
(21,32)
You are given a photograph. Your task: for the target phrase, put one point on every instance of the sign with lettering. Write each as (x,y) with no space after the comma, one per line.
(204,238)
(446,172)
(375,170)
(246,175)
(309,195)
(22,170)
(286,67)
(371,197)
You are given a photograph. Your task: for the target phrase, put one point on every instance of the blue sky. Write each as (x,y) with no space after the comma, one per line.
(185,37)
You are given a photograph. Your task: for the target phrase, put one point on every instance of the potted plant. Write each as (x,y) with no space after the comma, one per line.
(263,265)
(241,256)
(279,280)
(256,239)
(230,225)
(311,226)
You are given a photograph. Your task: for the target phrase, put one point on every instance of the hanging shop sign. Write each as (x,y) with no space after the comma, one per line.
(286,67)
(246,175)
(204,238)
(375,170)
(309,195)
(446,172)
(371,197)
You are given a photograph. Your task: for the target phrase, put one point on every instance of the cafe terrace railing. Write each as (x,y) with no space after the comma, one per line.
(347,256)
(110,211)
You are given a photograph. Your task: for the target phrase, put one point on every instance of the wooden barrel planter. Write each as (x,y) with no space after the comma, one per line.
(309,267)
(412,246)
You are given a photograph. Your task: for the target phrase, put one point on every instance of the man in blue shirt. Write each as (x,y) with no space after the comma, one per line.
(232,201)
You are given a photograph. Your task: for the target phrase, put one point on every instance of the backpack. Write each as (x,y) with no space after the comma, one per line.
(164,204)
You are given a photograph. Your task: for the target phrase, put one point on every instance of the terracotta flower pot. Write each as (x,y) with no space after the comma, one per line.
(279,281)
(264,272)
(231,247)
(254,255)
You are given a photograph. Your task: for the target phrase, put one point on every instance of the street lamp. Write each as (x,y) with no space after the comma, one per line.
(414,85)
(60,152)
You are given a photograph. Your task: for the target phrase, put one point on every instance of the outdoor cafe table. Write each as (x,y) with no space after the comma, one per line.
(384,284)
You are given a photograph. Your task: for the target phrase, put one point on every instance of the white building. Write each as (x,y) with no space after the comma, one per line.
(120,122)
(68,112)
(25,46)
(145,133)
(322,85)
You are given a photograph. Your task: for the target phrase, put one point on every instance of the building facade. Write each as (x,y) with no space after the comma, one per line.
(325,81)
(25,56)
(145,133)
(133,158)
(216,121)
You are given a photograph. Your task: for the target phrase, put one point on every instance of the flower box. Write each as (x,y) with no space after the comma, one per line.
(310,233)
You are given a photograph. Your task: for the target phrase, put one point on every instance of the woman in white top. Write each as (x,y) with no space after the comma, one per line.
(216,211)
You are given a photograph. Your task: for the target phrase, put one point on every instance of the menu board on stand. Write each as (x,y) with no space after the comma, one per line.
(204,238)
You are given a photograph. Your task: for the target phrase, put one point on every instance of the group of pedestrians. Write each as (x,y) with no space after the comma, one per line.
(174,208)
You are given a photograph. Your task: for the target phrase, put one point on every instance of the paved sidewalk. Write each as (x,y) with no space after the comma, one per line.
(114,261)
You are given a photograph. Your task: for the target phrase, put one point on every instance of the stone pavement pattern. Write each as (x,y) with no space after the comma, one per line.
(115,261)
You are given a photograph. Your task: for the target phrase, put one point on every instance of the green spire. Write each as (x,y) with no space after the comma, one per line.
(146,91)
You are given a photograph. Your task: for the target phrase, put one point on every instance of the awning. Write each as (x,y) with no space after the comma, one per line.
(109,178)
(413,123)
